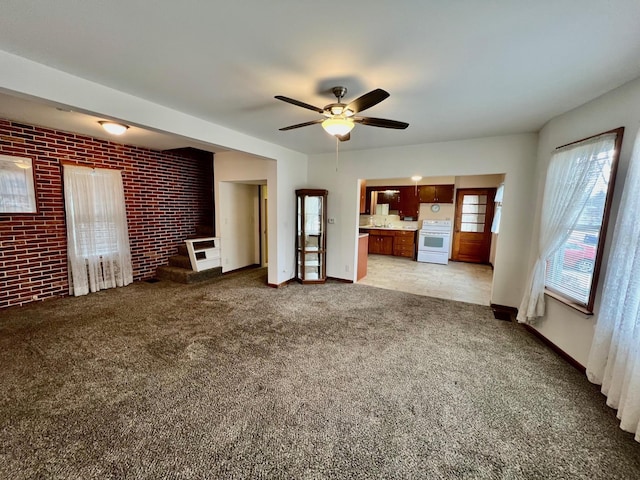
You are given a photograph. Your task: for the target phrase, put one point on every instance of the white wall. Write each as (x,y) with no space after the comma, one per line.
(479,181)
(238,222)
(282,177)
(292,175)
(513,155)
(567,328)
(407,181)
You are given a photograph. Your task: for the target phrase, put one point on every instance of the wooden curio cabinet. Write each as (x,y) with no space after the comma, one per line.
(311,241)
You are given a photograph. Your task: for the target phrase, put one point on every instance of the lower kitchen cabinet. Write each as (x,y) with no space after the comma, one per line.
(381,242)
(400,243)
(404,244)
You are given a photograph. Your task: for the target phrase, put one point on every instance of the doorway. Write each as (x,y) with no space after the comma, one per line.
(240,222)
(472,225)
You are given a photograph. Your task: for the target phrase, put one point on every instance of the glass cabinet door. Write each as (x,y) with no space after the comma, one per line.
(310,238)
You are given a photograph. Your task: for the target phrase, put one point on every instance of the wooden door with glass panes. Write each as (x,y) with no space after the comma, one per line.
(472,226)
(311,242)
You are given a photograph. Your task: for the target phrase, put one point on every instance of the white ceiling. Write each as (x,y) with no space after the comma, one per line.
(454,69)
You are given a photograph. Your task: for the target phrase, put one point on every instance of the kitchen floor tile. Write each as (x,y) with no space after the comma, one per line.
(465,282)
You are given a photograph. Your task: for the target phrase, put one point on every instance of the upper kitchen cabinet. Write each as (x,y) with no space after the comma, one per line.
(363,197)
(436,193)
(409,205)
(402,200)
(381,196)
(391,196)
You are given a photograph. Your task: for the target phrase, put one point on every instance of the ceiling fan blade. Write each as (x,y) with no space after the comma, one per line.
(368,100)
(305,124)
(299,103)
(381,122)
(344,138)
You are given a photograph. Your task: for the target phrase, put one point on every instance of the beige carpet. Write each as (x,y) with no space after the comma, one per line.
(232,379)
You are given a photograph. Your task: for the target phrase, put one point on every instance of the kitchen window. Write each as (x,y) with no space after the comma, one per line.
(572,270)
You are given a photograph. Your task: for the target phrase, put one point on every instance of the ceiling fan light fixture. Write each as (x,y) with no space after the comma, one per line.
(338,126)
(114,128)
(340,118)
(338,109)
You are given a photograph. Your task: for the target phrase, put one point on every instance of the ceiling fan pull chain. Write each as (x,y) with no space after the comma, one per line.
(337,148)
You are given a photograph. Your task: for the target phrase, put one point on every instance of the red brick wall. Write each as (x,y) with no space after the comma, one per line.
(166,196)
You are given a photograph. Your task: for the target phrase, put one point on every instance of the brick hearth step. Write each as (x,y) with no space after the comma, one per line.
(181,261)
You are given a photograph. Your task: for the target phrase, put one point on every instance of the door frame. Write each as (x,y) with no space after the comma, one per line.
(262,224)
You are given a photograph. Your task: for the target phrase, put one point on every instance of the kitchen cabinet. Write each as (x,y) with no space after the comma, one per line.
(391,196)
(363,250)
(367,201)
(311,241)
(436,193)
(404,243)
(381,242)
(409,205)
(400,243)
(402,200)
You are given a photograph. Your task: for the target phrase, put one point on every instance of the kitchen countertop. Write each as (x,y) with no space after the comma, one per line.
(404,229)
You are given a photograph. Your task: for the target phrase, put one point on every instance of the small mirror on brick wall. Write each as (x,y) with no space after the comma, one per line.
(17,186)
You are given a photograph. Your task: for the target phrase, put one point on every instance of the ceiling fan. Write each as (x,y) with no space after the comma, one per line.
(340,118)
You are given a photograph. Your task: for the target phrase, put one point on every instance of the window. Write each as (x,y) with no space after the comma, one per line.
(17,190)
(614,356)
(572,269)
(474,209)
(97,239)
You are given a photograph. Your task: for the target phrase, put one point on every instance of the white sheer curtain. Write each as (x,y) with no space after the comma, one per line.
(97,235)
(614,359)
(568,186)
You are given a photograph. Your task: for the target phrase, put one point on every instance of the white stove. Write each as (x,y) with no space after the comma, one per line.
(434,239)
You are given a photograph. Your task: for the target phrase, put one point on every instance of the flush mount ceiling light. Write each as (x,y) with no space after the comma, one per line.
(416,178)
(338,126)
(114,128)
